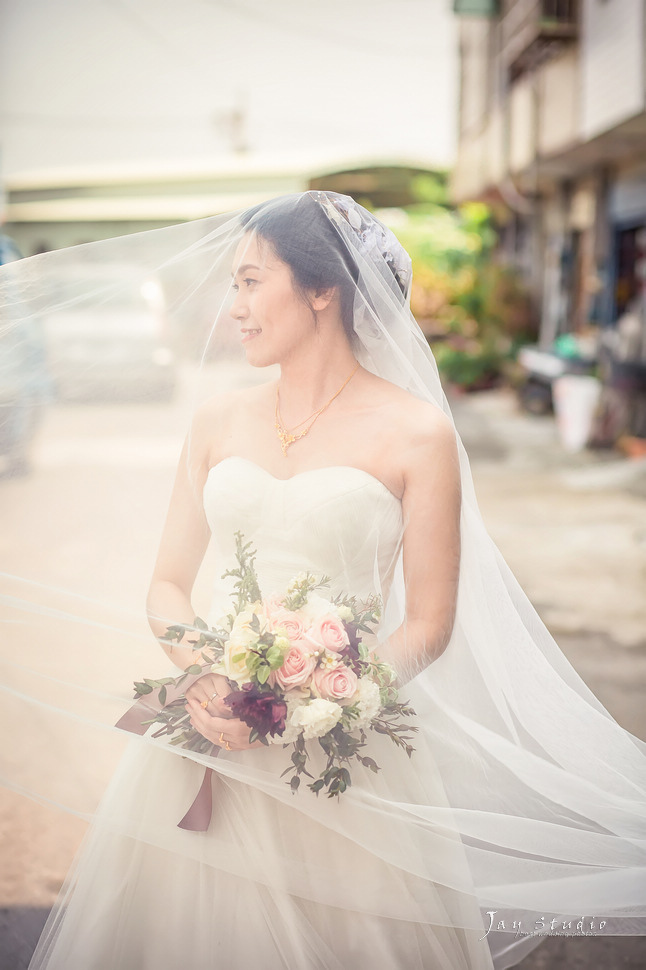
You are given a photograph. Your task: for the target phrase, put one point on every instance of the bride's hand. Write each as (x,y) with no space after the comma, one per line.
(230,733)
(209,692)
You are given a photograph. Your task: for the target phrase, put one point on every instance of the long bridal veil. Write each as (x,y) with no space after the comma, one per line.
(541,813)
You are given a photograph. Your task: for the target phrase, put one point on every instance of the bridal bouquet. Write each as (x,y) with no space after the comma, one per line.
(299,670)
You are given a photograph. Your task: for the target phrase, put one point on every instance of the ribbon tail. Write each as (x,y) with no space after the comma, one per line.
(198,817)
(141,710)
(145,707)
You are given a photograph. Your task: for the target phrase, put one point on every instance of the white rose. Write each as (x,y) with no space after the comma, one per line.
(317,606)
(240,639)
(294,699)
(344,612)
(316,718)
(368,701)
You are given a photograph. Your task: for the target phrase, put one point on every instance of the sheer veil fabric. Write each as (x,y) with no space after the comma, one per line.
(522,809)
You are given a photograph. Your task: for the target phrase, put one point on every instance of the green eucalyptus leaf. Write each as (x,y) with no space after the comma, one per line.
(275,657)
(263,674)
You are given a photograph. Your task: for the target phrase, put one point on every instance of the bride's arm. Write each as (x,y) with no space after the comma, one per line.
(183,544)
(431,549)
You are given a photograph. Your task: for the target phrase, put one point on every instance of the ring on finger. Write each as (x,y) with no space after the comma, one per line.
(222,741)
(205,704)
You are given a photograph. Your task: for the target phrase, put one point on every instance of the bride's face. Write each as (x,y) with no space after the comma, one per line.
(273,318)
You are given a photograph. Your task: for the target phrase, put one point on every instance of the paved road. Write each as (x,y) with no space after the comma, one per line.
(572,528)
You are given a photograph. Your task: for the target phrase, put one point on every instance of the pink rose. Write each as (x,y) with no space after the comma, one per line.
(290,622)
(272,604)
(333,683)
(297,667)
(328,630)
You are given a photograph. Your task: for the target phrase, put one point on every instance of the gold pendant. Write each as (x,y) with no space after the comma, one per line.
(286,439)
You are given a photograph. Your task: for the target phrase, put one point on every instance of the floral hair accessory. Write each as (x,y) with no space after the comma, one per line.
(378,242)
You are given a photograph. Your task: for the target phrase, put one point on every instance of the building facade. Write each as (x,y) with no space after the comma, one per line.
(552,134)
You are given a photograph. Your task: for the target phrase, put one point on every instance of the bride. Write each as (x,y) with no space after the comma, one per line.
(290,313)
(496,832)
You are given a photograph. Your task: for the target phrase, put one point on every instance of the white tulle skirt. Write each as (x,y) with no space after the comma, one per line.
(144,894)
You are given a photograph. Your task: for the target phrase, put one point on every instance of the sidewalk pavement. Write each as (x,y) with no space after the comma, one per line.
(496,430)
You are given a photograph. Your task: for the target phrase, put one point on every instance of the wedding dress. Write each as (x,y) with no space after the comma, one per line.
(214,902)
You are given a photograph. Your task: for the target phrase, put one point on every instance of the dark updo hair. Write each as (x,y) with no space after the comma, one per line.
(302,235)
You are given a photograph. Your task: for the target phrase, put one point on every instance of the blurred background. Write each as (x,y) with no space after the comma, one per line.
(503,141)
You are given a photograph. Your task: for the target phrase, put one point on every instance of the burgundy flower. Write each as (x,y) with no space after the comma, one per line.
(258,708)
(354,638)
(351,651)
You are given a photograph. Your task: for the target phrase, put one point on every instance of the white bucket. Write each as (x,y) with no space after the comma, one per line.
(576,397)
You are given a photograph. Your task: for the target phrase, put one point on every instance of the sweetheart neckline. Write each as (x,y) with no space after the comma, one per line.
(307,471)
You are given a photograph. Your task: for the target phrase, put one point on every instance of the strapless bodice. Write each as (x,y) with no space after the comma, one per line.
(339,521)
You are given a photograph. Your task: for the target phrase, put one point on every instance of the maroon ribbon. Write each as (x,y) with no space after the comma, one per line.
(198,817)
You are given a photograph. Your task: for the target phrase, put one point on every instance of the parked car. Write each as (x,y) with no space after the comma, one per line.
(110,337)
(25,385)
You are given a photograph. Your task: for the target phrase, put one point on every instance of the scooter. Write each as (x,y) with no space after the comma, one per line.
(567,355)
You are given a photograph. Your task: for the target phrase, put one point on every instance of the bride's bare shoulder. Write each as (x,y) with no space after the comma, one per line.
(419,437)
(213,419)
(411,418)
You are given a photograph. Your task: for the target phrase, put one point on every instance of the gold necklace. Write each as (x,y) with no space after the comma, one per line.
(285,435)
